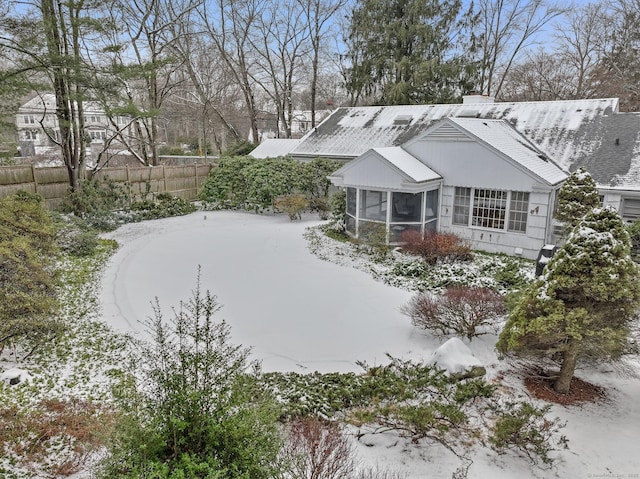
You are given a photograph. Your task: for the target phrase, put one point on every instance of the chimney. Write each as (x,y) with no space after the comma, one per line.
(475,98)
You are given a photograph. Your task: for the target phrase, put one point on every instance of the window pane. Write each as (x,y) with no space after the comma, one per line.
(373,205)
(461,203)
(407,207)
(489,208)
(351,225)
(631,209)
(518,209)
(351,201)
(432,205)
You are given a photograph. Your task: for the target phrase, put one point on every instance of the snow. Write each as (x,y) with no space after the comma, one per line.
(296,311)
(454,357)
(301,313)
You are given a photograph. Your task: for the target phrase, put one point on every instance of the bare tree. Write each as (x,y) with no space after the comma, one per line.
(318,14)
(283,45)
(506,29)
(579,41)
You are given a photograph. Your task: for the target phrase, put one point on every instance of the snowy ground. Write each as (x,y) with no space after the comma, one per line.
(300,313)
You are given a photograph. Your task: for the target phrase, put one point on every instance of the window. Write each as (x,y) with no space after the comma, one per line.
(491,208)
(351,201)
(373,205)
(30,135)
(407,207)
(29,119)
(461,206)
(518,209)
(631,209)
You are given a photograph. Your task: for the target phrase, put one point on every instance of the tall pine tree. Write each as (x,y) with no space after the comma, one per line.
(409,51)
(582,307)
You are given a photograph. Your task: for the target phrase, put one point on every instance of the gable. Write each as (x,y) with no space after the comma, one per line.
(484,153)
(384,168)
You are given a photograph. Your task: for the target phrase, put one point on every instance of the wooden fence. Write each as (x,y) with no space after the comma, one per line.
(53,183)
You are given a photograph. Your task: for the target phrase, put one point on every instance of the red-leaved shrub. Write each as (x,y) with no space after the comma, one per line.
(433,246)
(460,310)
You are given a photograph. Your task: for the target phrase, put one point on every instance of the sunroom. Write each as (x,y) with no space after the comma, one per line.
(388,193)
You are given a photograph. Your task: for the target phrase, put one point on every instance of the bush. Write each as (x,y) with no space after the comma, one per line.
(524,428)
(462,310)
(193,410)
(226,185)
(241,148)
(293,205)
(434,246)
(28,271)
(75,236)
(338,205)
(634,234)
(96,197)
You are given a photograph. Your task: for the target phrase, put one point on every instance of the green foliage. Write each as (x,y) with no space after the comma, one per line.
(76,236)
(241,148)
(524,427)
(338,205)
(252,184)
(577,197)
(193,410)
(98,197)
(163,205)
(634,236)
(28,275)
(409,52)
(581,308)
(226,185)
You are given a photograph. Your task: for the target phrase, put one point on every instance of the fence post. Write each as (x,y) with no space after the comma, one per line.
(35,180)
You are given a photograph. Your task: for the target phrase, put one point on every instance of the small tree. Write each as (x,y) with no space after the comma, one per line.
(582,307)
(577,197)
(28,278)
(194,410)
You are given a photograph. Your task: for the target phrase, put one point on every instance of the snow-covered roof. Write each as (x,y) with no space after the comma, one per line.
(349,132)
(503,137)
(274,147)
(406,163)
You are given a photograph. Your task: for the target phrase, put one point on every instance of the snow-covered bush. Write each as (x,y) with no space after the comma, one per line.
(434,246)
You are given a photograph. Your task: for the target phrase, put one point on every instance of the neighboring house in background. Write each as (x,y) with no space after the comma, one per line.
(301,122)
(567,134)
(38,128)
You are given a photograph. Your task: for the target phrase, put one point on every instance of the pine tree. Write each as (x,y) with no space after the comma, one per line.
(582,307)
(577,197)
(409,51)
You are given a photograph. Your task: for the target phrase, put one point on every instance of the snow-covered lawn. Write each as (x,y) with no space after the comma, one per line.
(300,313)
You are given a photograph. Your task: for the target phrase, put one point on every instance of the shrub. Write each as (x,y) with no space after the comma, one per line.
(193,410)
(634,234)
(293,205)
(434,246)
(241,148)
(460,310)
(321,206)
(226,185)
(76,236)
(317,449)
(97,197)
(524,428)
(338,205)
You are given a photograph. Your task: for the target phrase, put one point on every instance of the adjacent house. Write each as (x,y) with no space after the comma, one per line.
(38,127)
(484,170)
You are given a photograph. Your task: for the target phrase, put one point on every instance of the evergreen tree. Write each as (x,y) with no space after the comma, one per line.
(194,409)
(409,51)
(577,197)
(583,305)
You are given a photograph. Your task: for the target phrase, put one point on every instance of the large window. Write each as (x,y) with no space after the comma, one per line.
(351,201)
(491,208)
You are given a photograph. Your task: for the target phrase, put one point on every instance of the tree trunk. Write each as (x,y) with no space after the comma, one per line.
(563,382)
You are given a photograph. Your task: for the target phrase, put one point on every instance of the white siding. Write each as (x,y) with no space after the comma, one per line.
(467,163)
(372,172)
(501,241)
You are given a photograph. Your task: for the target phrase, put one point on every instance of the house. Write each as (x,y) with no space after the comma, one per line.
(490,187)
(479,179)
(38,128)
